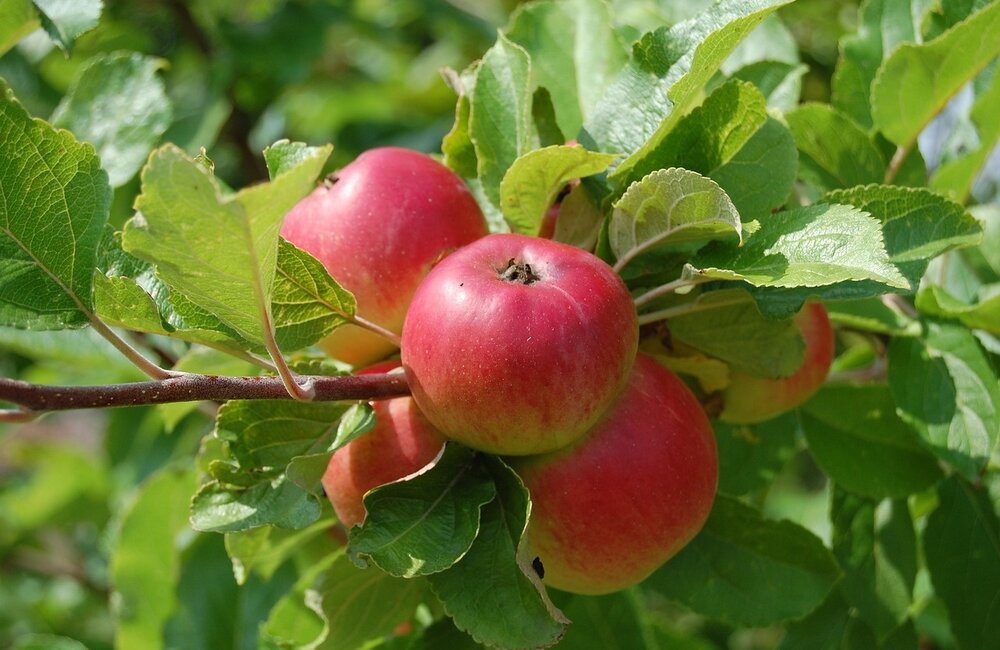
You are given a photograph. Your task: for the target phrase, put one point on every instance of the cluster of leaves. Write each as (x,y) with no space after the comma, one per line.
(723,201)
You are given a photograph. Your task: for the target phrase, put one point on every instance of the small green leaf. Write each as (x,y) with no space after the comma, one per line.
(426,523)
(580,219)
(750,457)
(833,151)
(962,547)
(145,563)
(575,52)
(917,80)
(872,315)
(493,593)
(879,560)
(307,303)
(307,470)
(17,20)
(866,448)
(670,207)
(807,247)
(882,25)
(67,20)
(118,104)
(780,82)
(222,508)
(54,202)
(667,73)
(745,570)
(945,387)
(500,122)
(218,250)
(737,333)
(262,551)
(534,180)
(984,315)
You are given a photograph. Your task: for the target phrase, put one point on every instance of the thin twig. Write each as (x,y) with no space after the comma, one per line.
(34,399)
(669,287)
(689,308)
(897,161)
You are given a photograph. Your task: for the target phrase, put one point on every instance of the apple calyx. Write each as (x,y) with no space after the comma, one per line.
(519,272)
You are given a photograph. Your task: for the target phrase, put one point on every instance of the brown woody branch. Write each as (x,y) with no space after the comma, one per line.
(33,398)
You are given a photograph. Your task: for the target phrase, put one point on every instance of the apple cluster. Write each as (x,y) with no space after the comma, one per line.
(525,348)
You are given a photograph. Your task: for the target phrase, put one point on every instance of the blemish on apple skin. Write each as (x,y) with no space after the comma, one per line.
(536,564)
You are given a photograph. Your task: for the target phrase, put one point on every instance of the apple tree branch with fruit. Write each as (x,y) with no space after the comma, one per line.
(554,382)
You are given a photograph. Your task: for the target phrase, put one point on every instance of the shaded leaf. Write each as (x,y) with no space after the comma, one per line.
(833,151)
(67,20)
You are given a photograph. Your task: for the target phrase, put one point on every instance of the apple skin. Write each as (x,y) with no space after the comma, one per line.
(612,508)
(378,229)
(402,442)
(512,368)
(750,399)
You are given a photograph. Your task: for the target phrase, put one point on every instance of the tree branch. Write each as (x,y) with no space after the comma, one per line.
(33,398)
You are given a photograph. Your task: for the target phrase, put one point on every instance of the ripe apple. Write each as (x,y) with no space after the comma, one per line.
(750,399)
(516,345)
(378,226)
(402,442)
(609,510)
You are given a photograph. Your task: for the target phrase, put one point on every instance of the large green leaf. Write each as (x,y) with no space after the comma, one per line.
(426,523)
(118,104)
(500,121)
(833,151)
(17,20)
(731,139)
(668,71)
(54,202)
(224,508)
(751,457)
(219,251)
(882,25)
(670,207)
(962,546)
(917,80)
(534,180)
(493,592)
(814,246)
(866,448)
(145,563)
(575,52)
(745,570)
(945,387)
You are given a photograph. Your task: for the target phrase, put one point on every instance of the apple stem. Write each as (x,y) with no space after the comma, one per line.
(389,335)
(689,308)
(669,287)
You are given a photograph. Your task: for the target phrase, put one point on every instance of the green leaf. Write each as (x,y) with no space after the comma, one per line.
(916,81)
(962,547)
(780,82)
(955,177)
(307,303)
(220,508)
(534,180)
(670,207)
(294,621)
(17,20)
(46,642)
(118,104)
(882,25)
(745,570)
(261,551)
(219,251)
(145,562)
(426,523)
(857,438)
(750,457)
(984,315)
(872,315)
(879,561)
(575,53)
(825,628)
(807,247)
(580,219)
(731,139)
(833,151)
(307,470)
(738,334)
(67,20)
(500,122)
(945,387)
(54,202)
(611,622)
(493,593)
(667,73)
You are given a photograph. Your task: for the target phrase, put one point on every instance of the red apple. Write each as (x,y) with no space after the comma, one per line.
(516,345)
(402,442)
(609,510)
(378,227)
(749,399)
